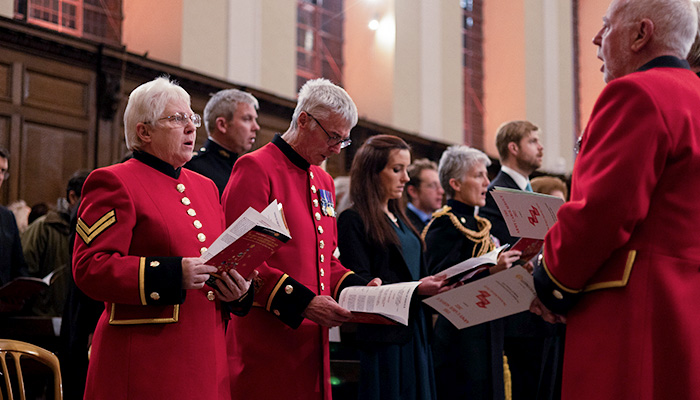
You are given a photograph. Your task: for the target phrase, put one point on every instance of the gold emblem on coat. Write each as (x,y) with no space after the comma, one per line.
(89,232)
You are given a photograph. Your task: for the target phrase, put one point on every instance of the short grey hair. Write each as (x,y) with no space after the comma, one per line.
(321,98)
(147,103)
(675,22)
(223,104)
(455,162)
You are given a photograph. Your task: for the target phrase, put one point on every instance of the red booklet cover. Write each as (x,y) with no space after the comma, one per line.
(249,240)
(529,247)
(248,251)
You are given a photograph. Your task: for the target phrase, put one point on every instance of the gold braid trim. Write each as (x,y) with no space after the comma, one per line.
(481,238)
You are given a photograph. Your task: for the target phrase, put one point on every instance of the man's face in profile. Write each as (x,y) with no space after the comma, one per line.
(3,169)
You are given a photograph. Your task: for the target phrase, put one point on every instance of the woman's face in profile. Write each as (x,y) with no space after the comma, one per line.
(172,137)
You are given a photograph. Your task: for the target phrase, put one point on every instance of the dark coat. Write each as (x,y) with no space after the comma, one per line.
(370,260)
(490,211)
(12,262)
(531,344)
(468,362)
(214,162)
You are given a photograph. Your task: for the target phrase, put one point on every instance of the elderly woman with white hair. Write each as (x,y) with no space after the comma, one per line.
(142,227)
(468,362)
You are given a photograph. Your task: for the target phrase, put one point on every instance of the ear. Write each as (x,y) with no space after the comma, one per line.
(455,184)
(513,149)
(303,120)
(143,133)
(412,192)
(73,198)
(221,124)
(643,34)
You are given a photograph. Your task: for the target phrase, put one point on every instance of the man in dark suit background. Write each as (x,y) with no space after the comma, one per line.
(520,151)
(424,192)
(12,263)
(230,118)
(533,357)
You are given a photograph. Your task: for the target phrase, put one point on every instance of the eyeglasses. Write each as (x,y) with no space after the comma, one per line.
(335,139)
(181,119)
(432,186)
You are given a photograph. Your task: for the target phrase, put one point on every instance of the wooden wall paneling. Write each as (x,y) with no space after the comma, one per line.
(57,93)
(5,143)
(49,157)
(5,82)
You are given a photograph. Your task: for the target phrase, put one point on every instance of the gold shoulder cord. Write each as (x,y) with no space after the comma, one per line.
(482,238)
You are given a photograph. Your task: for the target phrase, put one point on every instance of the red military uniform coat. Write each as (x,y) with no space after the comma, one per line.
(137,221)
(626,245)
(274,353)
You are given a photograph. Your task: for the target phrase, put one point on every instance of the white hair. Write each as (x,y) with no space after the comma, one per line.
(321,98)
(675,22)
(147,103)
(455,162)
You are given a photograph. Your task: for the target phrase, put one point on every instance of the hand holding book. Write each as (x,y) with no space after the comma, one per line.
(249,241)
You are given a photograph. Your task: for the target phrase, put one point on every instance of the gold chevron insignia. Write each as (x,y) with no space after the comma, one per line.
(89,233)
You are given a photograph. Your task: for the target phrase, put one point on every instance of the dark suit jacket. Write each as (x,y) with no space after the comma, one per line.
(524,324)
(490,211)
(370,260)
(12,262)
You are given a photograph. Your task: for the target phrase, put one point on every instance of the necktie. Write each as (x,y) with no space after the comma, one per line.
(528,187)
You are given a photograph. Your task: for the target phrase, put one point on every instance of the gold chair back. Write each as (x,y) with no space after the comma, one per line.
(16,350)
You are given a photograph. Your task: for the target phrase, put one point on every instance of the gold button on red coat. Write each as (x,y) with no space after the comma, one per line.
(317,216)
(154,263)
(323,258)
(210,295)
(323,287)
(201,237)
(202,250)
(191,212)
(288,289)
(155,296)
(315,201)
(322,272)
(313,188)
(320,229)
(180,187)
(197,224)
(185,201)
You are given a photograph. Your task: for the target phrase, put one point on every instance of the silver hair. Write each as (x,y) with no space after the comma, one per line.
(147,103)
(455,162)
(321,98)
(223,104)
(675,22)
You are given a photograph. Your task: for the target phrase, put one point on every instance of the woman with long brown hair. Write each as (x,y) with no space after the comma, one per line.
(376,240)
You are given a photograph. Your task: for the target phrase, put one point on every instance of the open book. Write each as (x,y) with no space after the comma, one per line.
(386,304)
(14,293)
(469,267)
(250,240)
(528,215)
(505,293)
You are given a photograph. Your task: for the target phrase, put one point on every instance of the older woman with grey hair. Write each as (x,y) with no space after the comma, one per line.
(141,229)
(468,362)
